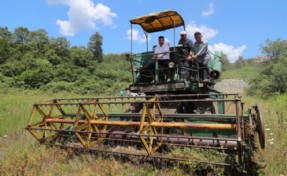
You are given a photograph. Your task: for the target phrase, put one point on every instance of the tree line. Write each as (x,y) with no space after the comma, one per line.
(33,60)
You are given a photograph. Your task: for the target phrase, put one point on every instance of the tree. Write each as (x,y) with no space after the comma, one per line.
(5,34)
(5,39)
(38,40)
(21,35)
(95,45)
(52,57)
(279,76)
(32,59)
(20,42)
(62,46)
(275,50)
(4,50)
(81,56)
(272,78)
(225,62)
(239,62)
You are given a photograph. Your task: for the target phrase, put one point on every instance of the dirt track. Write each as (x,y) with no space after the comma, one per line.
(231,86)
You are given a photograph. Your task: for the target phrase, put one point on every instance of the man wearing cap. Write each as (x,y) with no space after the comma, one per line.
(186,47)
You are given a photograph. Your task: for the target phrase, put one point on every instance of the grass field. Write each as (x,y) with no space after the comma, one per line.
(246,73)
(20,154)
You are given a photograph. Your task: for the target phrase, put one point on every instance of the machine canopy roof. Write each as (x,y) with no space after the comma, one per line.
(159,21)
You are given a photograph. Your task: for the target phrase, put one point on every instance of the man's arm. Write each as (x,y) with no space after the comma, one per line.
(158,54)
(155,54)
(203,50)
(190,45)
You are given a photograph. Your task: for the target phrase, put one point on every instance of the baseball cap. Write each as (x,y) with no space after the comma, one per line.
(183,33)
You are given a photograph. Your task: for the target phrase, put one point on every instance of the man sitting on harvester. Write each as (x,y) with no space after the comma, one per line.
(201,55)
(161,54)
(196,53)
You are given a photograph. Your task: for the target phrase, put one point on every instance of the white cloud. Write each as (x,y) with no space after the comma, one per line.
(209,11)
(207,32)
(232,52)
(83,15)
(137,36)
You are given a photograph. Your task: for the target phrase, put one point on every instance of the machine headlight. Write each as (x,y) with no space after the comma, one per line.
(135,69)
(171,64)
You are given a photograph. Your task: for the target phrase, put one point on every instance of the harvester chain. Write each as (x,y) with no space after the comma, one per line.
(143,156)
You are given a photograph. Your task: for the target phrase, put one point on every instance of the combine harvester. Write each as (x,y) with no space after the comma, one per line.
(171,121)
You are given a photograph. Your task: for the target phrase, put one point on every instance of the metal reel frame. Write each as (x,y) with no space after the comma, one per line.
(260,126)
(147,131)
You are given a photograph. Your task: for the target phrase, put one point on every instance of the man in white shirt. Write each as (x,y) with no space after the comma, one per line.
(161,53)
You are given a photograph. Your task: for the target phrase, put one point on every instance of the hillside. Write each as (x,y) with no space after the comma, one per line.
(32,60)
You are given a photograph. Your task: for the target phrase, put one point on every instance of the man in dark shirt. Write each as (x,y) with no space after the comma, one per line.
(186,47)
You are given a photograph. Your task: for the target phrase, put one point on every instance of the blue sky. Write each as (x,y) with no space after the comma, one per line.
(235,27)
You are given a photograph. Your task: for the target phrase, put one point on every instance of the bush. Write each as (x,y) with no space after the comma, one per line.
(37,78)
(271,80)
(60,86)
(66,73)
(12,68)
(4,87)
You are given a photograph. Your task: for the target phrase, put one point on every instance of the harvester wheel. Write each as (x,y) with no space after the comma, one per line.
(260,126)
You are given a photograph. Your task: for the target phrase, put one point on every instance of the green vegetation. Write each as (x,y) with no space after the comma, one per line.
(246,73)
(272,78)
(267,75)
(33,60)
(267,79)
(245,69)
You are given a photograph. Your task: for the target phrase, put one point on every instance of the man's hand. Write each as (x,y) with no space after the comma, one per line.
(160,56)
(154,56)
(194,56)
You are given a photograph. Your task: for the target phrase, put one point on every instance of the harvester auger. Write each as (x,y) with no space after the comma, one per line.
(178,120)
